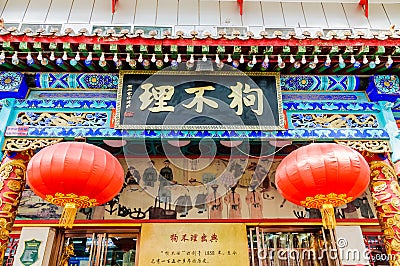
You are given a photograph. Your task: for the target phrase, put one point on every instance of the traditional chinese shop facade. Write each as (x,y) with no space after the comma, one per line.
(200,125)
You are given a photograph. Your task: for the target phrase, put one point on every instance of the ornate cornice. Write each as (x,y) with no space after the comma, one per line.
(22,144)
(372,146)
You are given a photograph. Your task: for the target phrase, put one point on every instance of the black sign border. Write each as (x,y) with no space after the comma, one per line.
(281,117)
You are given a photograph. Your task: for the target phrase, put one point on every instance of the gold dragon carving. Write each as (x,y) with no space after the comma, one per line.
(385,192)
(60,119)
(371,146)
(12,182)
(23,144)
(342,121)
(13,179)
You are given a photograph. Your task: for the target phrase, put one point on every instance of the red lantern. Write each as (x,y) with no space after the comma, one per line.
(323,176)
(75,175)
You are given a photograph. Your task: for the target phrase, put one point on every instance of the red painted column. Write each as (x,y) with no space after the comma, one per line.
(12,183)
(385,193)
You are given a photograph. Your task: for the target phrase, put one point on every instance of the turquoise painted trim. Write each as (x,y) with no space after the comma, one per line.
(326,96)
(331,107)
(70,94)
(109,81)
(74,104)
(297,134)
(390,126)
(5,117)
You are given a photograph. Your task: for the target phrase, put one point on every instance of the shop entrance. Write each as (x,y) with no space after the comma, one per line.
(297,248)
(100,249)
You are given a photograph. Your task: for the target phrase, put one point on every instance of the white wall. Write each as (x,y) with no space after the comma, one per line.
(191,13)
(45,235)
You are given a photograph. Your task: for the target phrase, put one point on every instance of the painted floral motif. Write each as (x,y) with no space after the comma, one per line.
(78,95)
(10,81)
(79,81)
(299,83)
(387,84)
(58,104)
(319,83)
(98,81)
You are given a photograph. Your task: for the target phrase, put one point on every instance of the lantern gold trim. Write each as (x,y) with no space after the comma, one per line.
(328,216)
(61,199)
(332,198)
(326,204)
(71,203)
(67,218)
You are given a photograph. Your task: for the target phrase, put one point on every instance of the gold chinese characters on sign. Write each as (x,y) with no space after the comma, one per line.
(190,100)
(182,244)
(240,94)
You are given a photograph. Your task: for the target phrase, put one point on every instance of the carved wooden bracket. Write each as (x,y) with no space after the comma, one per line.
(22,144)
(372,146)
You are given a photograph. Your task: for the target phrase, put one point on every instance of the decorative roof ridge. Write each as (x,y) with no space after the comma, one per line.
(212,41)
(69,32)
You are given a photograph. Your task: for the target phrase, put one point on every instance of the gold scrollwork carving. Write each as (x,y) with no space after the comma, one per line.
(12,176)
(14,185)
(68,252)
(29,144)
(394,185)
(388,233)
(7,207)
(61,119)
(334,120)
(387,171)
(18,166)
(4,233)
(318,200)
(5,170)
(61,199)
(372,146)
(395,202)
(386,195)
(395,245)
(389,223)
(378,186)
(13,200)
(387,209)
(4,223)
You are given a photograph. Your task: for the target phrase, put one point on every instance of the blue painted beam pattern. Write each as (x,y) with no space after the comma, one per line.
(111,104)
(390,126)
(13,85)
(77,81)
(320,83)
(110,81)
(301,134)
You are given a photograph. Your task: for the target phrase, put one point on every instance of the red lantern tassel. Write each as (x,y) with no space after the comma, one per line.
(68,216)
(328,216)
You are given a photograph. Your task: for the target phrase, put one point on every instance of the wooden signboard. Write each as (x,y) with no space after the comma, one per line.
(193,243)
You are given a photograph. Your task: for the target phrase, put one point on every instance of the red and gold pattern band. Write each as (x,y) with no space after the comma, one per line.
(12,183)
(385,192)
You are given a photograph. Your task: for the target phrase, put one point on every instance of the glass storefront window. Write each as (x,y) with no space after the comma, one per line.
(102,249)
(287,248)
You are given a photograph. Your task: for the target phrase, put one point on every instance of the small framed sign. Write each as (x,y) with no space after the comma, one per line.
(31,252)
